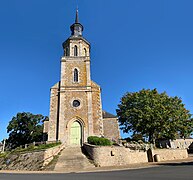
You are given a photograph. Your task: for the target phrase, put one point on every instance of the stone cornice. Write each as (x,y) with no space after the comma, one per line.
(71,58)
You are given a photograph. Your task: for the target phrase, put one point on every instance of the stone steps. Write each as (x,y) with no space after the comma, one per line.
(71,160)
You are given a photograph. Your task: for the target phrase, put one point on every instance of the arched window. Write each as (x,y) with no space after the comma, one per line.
(85,53)
(75,75)
(75,50)
(67,51)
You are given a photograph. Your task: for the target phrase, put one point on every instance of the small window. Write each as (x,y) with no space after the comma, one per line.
(75,50)
(85,52)
(75,75)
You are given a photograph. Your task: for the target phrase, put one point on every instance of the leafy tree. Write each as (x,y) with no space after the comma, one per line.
(25,128)
(137,137)
(154,115)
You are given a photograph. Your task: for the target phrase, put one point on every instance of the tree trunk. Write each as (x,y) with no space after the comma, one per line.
(152,138)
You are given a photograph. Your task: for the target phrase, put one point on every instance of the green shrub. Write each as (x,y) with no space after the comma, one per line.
(99,141)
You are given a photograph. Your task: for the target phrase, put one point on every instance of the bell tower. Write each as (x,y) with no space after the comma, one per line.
(76,57)
(75,102)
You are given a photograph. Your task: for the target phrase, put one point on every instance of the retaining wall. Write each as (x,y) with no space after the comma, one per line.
(117,155)
(170,154)
(114,155)
(31,161)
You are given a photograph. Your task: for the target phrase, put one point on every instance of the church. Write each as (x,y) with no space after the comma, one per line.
(75,101)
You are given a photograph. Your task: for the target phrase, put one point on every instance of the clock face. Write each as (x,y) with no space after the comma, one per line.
(76,103)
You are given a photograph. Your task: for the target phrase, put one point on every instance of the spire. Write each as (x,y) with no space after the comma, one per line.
(76,28)
(76,20)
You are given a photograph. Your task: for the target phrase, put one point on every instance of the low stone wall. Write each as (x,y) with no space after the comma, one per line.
(31,161)
(114,155)
(170,154)
(177,143)
(50,153)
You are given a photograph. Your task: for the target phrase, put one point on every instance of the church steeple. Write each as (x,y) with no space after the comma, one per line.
(76,28)
(76,45)
(76,20)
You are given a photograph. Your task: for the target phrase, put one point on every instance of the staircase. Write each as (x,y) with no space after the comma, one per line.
(72,160)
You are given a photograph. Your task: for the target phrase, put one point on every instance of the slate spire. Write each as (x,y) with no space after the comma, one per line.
(76,20)
(76,28)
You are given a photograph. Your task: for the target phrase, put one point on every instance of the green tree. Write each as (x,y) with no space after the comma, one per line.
(137,137)
(154,115)
(25,128)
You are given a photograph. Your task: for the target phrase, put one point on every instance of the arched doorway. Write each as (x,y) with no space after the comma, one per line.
(75,134)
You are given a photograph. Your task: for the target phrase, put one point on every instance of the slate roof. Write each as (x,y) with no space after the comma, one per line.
(108,115)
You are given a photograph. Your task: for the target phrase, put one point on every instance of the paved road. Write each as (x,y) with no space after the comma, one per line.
(171,172)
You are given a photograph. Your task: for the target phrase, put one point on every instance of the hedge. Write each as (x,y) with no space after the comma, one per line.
(99,141)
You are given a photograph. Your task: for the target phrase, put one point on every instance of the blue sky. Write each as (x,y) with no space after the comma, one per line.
(135,45)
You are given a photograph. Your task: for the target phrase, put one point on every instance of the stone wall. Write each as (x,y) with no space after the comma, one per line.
(31,161)
(96,110)
(111,129)
(177,143)
(170,154)
(114,155)
(50,153)
(50,126)
(118,155)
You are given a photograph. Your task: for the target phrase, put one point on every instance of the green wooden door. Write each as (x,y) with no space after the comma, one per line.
(75,134)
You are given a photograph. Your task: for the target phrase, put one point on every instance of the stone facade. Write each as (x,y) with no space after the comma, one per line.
(76,98)
(110,127)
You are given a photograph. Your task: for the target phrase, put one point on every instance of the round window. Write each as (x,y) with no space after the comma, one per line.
(76,103)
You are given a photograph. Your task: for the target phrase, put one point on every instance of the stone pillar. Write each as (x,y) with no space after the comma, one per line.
(90,118)
(88,71)
(63,71)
